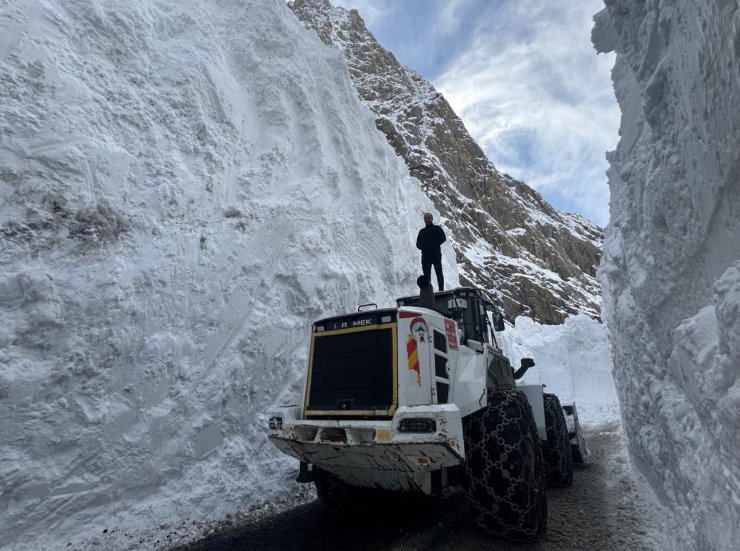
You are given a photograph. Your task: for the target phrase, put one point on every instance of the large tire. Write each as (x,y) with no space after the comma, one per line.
(556,451)
(503,476)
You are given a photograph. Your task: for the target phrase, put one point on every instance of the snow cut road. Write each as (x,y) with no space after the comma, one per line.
(607,507)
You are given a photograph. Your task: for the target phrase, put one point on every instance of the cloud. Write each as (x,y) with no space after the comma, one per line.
(525,80)
(533,93)
(423,34)
(371,11)
(451,15)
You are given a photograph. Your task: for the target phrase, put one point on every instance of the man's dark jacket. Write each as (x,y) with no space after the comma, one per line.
(428,241)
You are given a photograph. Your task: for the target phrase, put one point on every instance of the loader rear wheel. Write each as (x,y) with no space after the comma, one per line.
(503,476)
(556,451)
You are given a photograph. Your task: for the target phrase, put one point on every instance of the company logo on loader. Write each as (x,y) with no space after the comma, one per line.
(419,328)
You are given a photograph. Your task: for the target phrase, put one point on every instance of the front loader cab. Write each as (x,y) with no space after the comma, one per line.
(466,306)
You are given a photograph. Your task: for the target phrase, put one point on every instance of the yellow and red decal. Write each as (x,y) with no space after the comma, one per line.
(413,355)
(418,335)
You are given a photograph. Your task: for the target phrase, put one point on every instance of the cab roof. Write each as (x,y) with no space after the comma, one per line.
(380,312)
(451,292)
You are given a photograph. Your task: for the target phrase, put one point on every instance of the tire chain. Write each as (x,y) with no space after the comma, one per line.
(556,452)
(504,472)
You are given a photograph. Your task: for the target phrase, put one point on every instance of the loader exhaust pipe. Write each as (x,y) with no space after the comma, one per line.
(426,292)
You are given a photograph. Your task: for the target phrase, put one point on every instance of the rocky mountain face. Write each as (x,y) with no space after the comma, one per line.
(508,240)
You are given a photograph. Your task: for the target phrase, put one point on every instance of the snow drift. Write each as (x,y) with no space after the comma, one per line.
(183,186)
(671,270)
(572,360)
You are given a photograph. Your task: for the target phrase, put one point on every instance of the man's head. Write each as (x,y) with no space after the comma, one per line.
(428,218)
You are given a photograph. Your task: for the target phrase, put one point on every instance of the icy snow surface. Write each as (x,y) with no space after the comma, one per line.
(671,268)
(184,185)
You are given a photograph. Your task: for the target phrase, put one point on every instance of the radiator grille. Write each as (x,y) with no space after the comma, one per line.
(352,373)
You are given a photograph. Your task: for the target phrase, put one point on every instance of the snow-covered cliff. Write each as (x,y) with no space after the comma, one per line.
(671,269)
(184,186)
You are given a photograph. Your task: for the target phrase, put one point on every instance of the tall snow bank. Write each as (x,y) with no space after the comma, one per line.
(670,267)
(572,360)
(184,186)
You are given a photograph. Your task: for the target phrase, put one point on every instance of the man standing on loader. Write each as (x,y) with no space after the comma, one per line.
(428,242)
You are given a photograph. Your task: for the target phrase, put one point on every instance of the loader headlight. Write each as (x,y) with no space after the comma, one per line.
(275,423)
(413,424)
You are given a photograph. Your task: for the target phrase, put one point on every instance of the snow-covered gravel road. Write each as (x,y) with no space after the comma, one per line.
(607,507)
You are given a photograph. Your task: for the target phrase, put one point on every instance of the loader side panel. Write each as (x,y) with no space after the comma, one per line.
(414,359)
(535,398)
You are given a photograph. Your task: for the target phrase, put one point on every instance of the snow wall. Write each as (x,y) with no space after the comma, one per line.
(671,268)
(572,360)
(184,186)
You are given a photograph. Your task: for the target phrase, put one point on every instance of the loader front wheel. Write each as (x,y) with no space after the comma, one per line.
(556,451)
(503,475)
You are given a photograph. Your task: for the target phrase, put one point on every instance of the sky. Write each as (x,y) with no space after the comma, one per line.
(524,78)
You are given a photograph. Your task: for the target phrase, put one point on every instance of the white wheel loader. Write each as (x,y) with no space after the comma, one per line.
(420,398)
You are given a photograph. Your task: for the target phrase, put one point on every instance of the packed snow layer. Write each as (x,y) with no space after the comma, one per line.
(671,270)
(184,186)
(572,360)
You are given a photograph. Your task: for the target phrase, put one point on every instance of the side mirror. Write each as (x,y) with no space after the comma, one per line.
(498,321)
